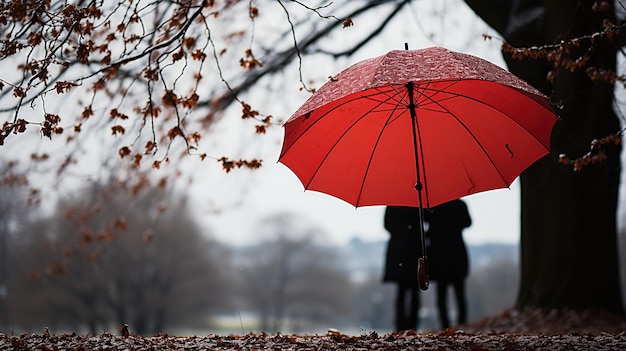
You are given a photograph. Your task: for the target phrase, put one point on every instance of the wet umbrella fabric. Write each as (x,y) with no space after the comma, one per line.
(445,123)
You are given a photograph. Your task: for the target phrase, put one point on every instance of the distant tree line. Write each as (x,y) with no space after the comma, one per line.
(290,277)
(104,258)
(108,257)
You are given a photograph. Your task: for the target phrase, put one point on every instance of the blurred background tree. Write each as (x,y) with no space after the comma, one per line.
(104,259)
(289,278)
(13,215)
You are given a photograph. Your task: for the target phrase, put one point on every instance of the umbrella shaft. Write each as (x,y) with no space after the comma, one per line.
(418,183)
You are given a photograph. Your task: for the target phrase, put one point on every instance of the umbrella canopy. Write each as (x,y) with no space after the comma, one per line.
(440,122)
(448,123)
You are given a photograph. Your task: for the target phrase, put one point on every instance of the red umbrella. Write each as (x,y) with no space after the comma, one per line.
(445,123)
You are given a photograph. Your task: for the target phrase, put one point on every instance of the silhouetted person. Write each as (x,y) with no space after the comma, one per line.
(447,255)
(403,250)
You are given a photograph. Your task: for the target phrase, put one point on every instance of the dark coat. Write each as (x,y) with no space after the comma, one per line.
(447,254)
(404,247)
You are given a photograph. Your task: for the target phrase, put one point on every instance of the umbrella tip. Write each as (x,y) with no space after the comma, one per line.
(406,46)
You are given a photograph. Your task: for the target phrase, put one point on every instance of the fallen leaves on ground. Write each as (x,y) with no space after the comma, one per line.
(512,330)
(538,321)
(448,340)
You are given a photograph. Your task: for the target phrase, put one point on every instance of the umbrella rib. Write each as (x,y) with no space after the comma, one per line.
(424,87)
(437,102)
(455,94)
(547,147)
(397,92)
(485,153)
(357,97)
(422,94)
(380,103)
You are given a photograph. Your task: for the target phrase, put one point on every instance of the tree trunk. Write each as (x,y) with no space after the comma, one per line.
(569,231)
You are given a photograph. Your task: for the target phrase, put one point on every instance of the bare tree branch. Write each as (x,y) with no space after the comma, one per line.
(280,60)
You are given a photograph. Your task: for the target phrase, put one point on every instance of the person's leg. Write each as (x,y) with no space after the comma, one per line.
(461,303)
(413,322)
(442,303)
(400,310)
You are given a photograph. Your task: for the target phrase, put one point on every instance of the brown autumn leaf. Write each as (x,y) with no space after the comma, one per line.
(169,99)
(114,113)
(194,137)
(174,132)
(253,12)
(124,151)
(247,111)
(124,330)
(82,53)
(117,129)
(87,112)
(106,59)
(100,84)
(137,160)
(190,102)
(189,42)
(180,54)
(198,55)
(18,92)
(249,62)
(253,164)
(34,38)
(150,147)
(227,164)
(63,86)
(20,126)
(151,74)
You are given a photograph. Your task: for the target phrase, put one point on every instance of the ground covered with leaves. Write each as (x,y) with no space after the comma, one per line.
(511,330)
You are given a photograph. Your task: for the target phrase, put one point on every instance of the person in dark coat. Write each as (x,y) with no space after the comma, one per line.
(403,250)
(447,255)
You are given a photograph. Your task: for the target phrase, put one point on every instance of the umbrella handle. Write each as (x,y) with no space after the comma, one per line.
(422,272)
